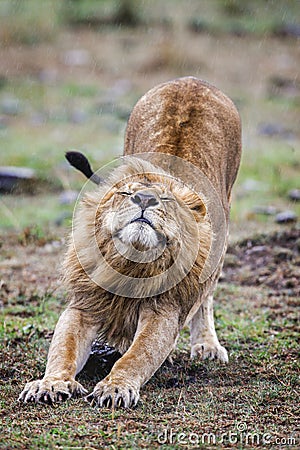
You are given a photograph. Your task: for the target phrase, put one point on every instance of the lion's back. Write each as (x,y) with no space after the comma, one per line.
(193,120)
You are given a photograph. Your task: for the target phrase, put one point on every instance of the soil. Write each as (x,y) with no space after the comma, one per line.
(266,260)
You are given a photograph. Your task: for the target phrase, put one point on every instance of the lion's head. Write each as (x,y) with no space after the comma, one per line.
(141,223)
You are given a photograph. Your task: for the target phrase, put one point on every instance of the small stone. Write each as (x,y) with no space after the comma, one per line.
(251,185)
(288,30)
(48,76)
(294,195)
(11,106)
(256,249)
(265,210)
(68,197)
(77,57)
(16,178)
(78,116)
(286,217)
(38,118)
(274,129)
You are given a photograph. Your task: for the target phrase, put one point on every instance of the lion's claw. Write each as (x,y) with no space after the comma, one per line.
(51,391)
(113,394)
(210,351)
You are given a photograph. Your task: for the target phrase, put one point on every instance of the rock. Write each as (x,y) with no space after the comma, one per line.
(51,247)
(287,30)
(77,57)
(68,197)
(283,86)
(286,217)
(274,129)
(78,116)
(294,195)
(265,210)
(10,106)
(256,249)
(38,118)
(17,178)
(251,185)
(48,76)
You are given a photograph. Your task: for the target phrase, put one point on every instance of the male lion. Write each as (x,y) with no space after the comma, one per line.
(136,267)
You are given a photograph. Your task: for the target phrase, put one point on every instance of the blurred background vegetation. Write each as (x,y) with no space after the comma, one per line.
(71,71)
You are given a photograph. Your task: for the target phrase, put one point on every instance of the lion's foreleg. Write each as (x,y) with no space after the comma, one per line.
(67,355)
(154,340)
(204,340)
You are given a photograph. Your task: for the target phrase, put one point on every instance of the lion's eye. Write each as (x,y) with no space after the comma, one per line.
(125,193)
(167,199)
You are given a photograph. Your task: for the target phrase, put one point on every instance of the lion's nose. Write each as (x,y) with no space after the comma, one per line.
(144,199)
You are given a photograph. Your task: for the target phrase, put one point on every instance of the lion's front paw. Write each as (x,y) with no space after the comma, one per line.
(50,391)
(114,394)
(210,351)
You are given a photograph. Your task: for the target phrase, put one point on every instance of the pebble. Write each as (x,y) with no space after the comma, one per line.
(78,116)
(16,177)
(274,129)
(251,185)
(11,106)
(265,210)
(48,76)
(286,217)
(294,195)
(68,197)
(288,30)
(77,57)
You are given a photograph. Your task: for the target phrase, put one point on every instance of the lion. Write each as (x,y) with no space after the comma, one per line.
(134,268)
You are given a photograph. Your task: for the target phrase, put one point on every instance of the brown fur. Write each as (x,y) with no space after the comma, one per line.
(196,122)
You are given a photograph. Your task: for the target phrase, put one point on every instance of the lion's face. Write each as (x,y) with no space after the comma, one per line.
(142,214)
(145,225)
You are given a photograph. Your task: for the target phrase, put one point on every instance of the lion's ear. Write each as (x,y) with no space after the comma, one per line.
(193,201)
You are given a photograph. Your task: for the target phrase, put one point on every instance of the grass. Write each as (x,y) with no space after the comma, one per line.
(203,400)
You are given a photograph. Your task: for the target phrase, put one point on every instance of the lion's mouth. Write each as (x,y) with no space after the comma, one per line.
(142,220)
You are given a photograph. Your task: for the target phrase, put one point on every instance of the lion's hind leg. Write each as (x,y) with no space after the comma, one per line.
(204,340)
